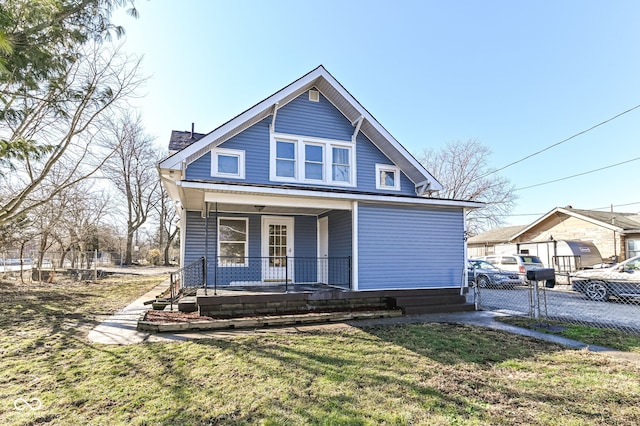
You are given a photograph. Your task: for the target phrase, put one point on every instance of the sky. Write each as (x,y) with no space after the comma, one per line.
(519,76)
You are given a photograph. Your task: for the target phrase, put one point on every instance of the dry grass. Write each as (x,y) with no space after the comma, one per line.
(439,374)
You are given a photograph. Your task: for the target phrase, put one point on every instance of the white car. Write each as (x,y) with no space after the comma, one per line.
(619,280)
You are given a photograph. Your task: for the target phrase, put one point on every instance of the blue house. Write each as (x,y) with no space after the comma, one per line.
(307,187)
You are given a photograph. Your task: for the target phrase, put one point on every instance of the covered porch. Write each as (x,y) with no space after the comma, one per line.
(251,239)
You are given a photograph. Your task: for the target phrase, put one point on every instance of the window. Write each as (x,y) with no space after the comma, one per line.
(387,177)
(312,160)
(341,165)
(233,241)
(633,248)
(285,159)
(227,163)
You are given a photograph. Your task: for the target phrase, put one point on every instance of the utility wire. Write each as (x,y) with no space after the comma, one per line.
(579,174)
(561,142)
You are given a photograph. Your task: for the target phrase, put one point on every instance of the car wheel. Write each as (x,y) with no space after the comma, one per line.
(596,290)
(483,282)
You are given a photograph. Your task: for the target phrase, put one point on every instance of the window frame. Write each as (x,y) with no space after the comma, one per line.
(388,168)
(300,142)
(246,242)
(240,154)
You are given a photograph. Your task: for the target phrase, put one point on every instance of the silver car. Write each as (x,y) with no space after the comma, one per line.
(484,274)
(620,280)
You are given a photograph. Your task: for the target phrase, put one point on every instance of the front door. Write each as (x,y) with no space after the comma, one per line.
(277,247)
(323,250)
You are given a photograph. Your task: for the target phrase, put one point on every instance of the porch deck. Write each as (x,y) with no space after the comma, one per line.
(234,302)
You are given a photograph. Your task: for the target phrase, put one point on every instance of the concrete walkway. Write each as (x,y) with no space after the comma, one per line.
(121,328)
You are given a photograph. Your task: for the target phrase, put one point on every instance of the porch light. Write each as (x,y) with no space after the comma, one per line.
(259,208)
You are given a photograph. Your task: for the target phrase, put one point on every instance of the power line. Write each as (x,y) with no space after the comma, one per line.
(561,142)
(615,205)
(579,174)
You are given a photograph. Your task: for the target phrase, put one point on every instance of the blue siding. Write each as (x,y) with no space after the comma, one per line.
(409,247)
(301,117)
(306,248)
(254,142)
(367,156)
(340,245)
(318,119)
(305,245)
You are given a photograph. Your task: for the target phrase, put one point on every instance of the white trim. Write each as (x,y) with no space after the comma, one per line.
(326,197)
(300,142)
(270,200)
(246,242)
(183,235)
(230,153)
(323,265)
(396,176)
(354,247)
(317,77)
(264,244)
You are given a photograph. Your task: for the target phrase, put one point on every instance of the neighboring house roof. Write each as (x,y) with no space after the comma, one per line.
(496,236)
(615,221)
(341,99)
(180,140)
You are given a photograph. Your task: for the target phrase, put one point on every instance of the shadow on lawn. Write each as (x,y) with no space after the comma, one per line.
(378,366)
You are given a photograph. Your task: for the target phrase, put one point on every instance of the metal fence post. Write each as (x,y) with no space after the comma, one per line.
(286,274)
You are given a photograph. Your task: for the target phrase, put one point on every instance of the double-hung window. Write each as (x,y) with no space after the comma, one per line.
(312,160)
(233,241)
(286,159)
(387,177)
(227,163)
(341,164)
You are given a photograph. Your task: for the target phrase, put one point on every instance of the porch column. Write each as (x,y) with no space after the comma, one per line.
(354,245)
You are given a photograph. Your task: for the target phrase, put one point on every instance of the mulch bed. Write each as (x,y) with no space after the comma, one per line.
(165,316)
(170,316)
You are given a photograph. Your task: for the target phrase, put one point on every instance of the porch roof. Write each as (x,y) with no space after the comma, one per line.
(294,199)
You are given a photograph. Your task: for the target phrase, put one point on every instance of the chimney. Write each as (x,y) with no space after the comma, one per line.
(193,125)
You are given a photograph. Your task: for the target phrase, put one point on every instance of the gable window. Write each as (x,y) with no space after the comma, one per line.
(286,159)
(387,177)
(312,160)
(227,163)
(233,240)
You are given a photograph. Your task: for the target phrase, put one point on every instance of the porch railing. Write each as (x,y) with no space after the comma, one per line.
(281,270)
(193,275)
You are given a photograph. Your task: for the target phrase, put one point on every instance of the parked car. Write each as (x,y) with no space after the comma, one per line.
(484,274)
(619,280)
(519,263)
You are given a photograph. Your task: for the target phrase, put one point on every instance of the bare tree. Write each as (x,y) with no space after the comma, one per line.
(132,170)
(168,226)
(463,170)
(66,117)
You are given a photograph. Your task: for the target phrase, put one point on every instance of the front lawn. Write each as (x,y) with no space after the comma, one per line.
(438,374)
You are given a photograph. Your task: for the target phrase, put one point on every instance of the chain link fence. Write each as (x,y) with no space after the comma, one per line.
(52,266)
(603,299)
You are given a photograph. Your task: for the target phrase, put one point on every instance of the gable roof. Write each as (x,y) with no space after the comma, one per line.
(497,235)
(615,221)
(340,98)
(180,140)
